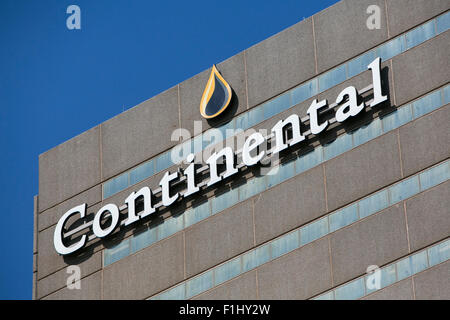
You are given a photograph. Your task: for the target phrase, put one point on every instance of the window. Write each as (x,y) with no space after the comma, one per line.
(427,104)
(367,132)
(397,118)
(351,291)
(170,226)
(404,189)
(411,265)
(373,203)
(435,175)
(196,214)
(285,244)
(199,284)
(420,34)
(304,92)
(280,173)
(121,250)
(391,49)
(340,145)
(143,239)
(313,231)
(142,172)
(251,187)
(309,160)
(344,217)
(360,63)
(115,185)
(332,78)
(443,22)
(223,201)
(227,271)
(176,293)
(276,105)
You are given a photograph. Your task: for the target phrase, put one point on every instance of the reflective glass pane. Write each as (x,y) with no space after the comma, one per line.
(248,261)
(388,275)
(427,104)
(435,175)
(403,269)
(224,200)
(241,121)
(184,149)
(142,172)
(280,173)
(115,185)
(367,132)
(211,137)
(117,252)
(252,187)
(326,296)
(196,214)
(447,95)
(227,271)
(276,105)
(351,291)
(197,144)
(227,130)
(256,257)
(340,145)
(391,49)
(343,217)
(313,231)
(380,278)
(420,34)
(404,189)
(360,63)
(163,161)
(419,261)
(411,265)
(332,78)
(199,284)
(443,22)
(285,244)
(255,116)
(263,254)
(372,204)
(170,226)
(397,118)
(304,92)
(439,253)
(176,293)
(309,160)
(143,239)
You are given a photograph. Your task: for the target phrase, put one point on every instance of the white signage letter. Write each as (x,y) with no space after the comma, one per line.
(251,144)
(57,236)
(189,172)
(167,200)
(378,97)
(278,130)
(212,162)
(350,108)
(131,204)
(313,112)
(98,230)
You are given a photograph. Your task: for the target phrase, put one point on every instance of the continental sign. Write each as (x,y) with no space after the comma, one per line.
(215,99)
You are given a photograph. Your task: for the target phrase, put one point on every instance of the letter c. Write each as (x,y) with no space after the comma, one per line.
(57,236)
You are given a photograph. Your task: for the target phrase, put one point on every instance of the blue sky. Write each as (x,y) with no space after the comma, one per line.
(56,83)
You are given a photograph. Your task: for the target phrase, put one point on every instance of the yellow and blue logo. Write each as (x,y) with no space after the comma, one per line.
(216,97)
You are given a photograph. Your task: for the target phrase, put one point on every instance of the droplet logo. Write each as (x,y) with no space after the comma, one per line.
(216,97)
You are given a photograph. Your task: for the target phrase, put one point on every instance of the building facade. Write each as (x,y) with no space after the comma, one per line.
(354,209)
